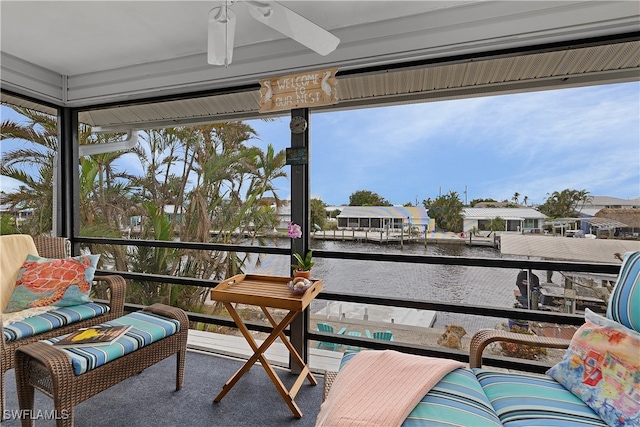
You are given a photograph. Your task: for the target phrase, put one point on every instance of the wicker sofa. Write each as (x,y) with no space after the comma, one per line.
(595,384)
(13,252)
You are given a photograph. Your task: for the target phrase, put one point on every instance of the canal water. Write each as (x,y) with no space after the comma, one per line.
(476,286)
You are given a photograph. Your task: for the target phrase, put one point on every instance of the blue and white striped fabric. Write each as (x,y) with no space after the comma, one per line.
(624,302)
(146,328)
(52,320)
(457,400)
(522,400)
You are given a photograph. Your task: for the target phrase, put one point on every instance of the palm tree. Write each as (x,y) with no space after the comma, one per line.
(32,166)
(207,172)
(564,204)
(495,224)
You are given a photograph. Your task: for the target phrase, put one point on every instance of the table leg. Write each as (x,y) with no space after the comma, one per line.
(259,355)
(258,351)
(293,351)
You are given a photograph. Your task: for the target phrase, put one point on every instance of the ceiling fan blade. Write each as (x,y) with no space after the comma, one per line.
(294,26)
(222,27)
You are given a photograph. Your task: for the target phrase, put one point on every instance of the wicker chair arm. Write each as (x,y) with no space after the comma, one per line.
(117,287)
(329,377)
(485,337)
(52,358)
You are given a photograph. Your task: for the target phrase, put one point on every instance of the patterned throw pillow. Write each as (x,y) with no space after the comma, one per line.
(59,282)
(602,367)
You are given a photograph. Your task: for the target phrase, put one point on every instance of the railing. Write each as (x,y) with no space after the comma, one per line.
(308,335)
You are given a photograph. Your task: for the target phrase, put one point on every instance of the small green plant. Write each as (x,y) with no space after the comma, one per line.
(306,263)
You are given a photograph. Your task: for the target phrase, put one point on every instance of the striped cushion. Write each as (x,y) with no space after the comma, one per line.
(624,302)
(146,328)
(528,400)
(457,400)
(51,320)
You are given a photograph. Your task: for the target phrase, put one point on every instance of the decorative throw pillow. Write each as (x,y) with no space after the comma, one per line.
(602,367)
(59,282)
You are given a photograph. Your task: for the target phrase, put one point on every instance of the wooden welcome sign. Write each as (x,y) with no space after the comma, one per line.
(303,90)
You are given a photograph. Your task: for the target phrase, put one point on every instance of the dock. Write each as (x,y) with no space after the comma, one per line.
(396,237)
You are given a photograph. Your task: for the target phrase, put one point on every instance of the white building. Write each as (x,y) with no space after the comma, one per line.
(607,202)
(526,220)
(380,218)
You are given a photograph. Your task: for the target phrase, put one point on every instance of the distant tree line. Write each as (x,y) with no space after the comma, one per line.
(447,209)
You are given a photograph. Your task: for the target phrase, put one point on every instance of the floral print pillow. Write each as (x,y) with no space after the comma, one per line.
(60,282)
(602,367)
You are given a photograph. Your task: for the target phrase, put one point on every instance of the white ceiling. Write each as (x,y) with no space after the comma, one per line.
(89,36)
(87,53)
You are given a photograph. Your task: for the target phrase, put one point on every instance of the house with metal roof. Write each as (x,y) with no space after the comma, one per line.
(379,218)
(526,220)
(596,203)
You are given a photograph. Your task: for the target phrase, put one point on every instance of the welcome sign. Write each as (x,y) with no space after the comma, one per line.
(302,90)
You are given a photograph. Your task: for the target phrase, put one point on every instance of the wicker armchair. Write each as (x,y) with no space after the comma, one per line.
(478,343)
(602,356)
(59,247)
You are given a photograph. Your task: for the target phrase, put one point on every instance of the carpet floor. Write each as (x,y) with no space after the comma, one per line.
(150,399)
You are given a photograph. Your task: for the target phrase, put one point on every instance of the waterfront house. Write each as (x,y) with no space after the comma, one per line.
(385,218)
(525,220)
(597,203)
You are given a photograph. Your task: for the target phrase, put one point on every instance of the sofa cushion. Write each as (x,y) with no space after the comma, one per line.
(624,301)
(456,400)
(51,320)
(534,400)
(601,367)
(60,282)
(146,328)
(14,249)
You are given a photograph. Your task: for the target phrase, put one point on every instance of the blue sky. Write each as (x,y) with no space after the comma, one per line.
(533,144)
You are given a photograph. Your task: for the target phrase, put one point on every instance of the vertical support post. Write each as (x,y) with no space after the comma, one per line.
(300,214)
(66,194)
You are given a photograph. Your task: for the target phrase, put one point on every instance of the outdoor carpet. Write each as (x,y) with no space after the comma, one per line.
(150,400)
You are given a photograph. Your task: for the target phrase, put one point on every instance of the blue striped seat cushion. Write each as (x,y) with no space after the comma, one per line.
(531,400)
(146,328)
(624,302)
(457,400)
(52,320)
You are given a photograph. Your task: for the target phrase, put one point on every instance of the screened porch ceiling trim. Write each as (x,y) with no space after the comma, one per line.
(549,70)
(566,68)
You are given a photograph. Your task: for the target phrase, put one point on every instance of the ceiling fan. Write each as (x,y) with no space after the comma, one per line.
(222,25)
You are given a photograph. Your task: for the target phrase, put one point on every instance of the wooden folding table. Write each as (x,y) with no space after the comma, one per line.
(267,292)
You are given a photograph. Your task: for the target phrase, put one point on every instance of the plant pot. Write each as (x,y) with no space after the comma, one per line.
(302,273)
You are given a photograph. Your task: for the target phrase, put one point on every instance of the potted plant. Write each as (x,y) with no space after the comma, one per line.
(304,265)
